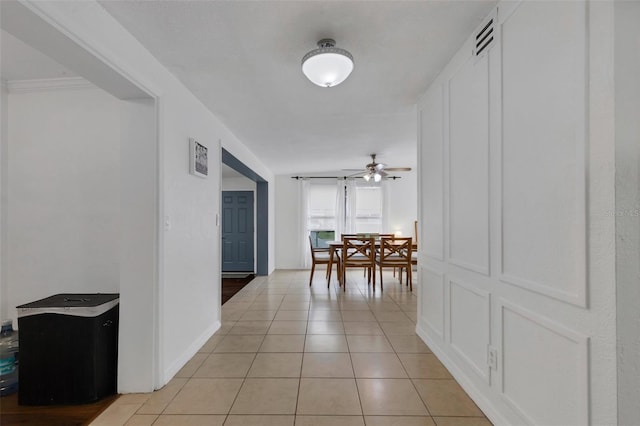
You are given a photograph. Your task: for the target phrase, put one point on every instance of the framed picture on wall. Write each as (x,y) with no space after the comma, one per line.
(198,164)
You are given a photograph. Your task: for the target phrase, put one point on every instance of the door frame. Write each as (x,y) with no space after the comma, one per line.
(261,210)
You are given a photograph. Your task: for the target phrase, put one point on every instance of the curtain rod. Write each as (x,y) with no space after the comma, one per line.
(340,177)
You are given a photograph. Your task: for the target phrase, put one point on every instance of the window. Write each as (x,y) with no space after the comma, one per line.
(321,239)
(321,221)
(369,209)
(360,210)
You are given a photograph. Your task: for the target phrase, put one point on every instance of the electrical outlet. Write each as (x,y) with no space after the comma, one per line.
(492,357)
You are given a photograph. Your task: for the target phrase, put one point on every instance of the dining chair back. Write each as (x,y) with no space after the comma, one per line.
(358,252)
(319,256)
(395,252)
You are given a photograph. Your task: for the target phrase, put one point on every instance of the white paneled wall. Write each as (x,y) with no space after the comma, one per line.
(627,213)
(543,149)
(515,298)
(468,143)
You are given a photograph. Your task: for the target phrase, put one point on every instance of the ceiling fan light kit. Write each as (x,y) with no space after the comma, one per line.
(377,171)
(327,66)
(377,177)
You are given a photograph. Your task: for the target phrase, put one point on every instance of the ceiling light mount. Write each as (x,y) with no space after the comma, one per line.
(328,65)
(326,42)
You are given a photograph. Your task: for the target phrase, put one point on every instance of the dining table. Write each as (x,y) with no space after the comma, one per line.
(336,246)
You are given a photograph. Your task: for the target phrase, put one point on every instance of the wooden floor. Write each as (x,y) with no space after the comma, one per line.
(231,286)
(50,415)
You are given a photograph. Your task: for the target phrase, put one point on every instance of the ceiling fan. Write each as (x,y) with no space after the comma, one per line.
(377,171)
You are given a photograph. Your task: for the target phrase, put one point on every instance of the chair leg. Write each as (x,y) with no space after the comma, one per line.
(328,275)
(374,278)
(313,268)
(410,278)
(380,278)
(343,271)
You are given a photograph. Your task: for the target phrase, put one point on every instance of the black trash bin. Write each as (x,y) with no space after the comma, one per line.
(68,349)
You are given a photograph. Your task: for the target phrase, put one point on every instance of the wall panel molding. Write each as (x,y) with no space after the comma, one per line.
(432,300)
(469,317)
(468,161)
(528,372)
(542,195)
(431,128)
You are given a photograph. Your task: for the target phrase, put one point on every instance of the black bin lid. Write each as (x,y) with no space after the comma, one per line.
(80,304)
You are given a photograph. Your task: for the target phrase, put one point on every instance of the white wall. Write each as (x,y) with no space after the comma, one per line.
(288,217)
(627,211)
(402,213)
(4,145)
(63,187)
(403,203)
(181,265)
(238,184)
(516,169)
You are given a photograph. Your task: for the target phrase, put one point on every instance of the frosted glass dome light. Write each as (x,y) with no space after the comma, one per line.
(327,66)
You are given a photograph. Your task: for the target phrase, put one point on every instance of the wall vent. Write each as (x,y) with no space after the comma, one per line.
(486,36)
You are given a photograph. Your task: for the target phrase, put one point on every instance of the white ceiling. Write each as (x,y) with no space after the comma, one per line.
(242,60)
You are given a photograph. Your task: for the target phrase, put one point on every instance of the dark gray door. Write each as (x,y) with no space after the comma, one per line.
(237,231)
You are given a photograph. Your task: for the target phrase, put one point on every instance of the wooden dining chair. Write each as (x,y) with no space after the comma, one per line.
(359,252)
(395,252)
(334,259)
(319,256)
(414,261)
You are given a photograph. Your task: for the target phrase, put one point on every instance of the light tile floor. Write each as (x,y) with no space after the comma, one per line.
(292,354)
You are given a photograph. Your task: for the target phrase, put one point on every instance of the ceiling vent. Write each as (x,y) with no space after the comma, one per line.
(485,37)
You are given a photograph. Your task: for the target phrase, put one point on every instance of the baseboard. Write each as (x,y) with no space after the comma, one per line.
(191,350)
(474,392)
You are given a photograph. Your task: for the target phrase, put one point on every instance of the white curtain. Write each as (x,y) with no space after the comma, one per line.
(341,209)
(304,223)
(350,221)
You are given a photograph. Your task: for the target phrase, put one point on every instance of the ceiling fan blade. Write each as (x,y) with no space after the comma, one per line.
(398,169)
(359,173)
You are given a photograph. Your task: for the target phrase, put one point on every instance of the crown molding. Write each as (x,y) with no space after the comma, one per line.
(49,85)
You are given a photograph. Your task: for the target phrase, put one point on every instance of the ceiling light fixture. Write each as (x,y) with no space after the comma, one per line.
(377,177)
(327,66)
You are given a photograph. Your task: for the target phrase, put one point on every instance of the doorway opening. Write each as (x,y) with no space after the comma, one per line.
(245,234)
(118,245)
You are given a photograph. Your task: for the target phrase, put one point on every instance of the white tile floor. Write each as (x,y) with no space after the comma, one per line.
(292,354)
